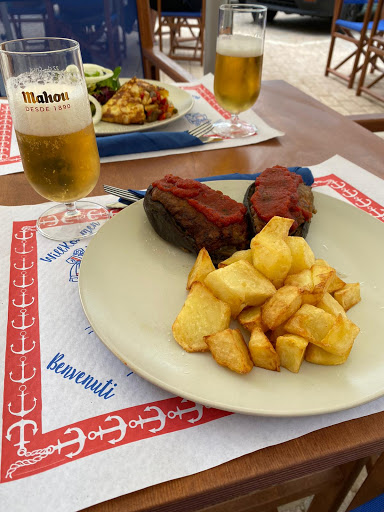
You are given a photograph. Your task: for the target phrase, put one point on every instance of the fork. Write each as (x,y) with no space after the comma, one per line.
(202,129)
(124,194)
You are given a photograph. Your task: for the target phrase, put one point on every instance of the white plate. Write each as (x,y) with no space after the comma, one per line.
(132,286)
(181,99)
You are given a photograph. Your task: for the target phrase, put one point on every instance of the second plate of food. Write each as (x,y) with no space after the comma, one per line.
(147,280)
(181,99)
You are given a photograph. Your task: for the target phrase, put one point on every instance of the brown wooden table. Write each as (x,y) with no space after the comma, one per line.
(313,133)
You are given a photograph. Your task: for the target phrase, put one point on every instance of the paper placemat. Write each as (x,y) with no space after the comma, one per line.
(205,108)
(77,423)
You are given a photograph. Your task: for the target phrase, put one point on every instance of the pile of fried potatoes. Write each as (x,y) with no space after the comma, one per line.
(292,304)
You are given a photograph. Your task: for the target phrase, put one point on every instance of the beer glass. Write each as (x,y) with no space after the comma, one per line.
(239,59)
(50,110)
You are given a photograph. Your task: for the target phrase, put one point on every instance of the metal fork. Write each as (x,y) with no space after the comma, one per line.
(122,193)
(202,129)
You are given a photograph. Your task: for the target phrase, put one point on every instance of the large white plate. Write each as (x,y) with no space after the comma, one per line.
(132,286)
(181,99)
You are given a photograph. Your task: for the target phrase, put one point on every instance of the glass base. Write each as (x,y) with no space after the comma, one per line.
(80,220)
(234,128)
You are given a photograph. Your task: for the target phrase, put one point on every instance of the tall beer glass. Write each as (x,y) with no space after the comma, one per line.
(49,104)
(239,59)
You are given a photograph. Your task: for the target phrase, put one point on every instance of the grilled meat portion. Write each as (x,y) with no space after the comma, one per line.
(281,193)
(191,215)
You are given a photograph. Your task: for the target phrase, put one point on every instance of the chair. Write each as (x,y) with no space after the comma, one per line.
(370,496)
(28,12)
(353,31)
(94,24)
(193,23)
(154,60)
(374,53)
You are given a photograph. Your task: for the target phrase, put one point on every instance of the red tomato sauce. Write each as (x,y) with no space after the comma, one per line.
(216,207)
(277,194)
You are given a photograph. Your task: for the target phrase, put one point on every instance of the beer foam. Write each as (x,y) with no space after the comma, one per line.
(48,109)
(239,46)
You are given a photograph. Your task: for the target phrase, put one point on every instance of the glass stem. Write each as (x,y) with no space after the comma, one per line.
(71,209)
(235,119)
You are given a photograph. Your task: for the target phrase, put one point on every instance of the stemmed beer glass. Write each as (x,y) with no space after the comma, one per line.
(239,59)
(49,104)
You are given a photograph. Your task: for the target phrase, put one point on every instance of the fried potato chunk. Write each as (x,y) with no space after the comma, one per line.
(236,256)
(302,280)
(281,306)
(250,318)
(330,305)
(291,350)
(311,323)
(239,285)
(348,296)
(278,226)
(272,257)
(322,276)
(202,314)
(229,349)
(262,351)
(340,337)
(317,355)
(273,335)
(201,268)
(302,255)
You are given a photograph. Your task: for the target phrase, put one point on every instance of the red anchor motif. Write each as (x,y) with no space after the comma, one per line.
(22,442)
(23,337)
(24,232)
(335,185)
(23,284)
(23,377)
(22,412)
(350,193)
(180,412)
(80,439)
(23,314)
(161,417)
(376,213)
(122,427)
(50,220)
(23,267)
(23,251)
(23,303)
(363,203)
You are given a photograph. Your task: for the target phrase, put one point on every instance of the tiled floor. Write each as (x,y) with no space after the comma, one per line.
(296,50)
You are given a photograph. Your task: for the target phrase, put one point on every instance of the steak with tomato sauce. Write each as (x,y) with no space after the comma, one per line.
(191,215)
(277,191)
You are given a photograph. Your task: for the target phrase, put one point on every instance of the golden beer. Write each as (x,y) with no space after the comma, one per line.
(61,168)
(238,69)
(56,139)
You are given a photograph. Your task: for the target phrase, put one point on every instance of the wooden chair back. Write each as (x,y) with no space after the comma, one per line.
(186,33)
(374,55)
(354,32)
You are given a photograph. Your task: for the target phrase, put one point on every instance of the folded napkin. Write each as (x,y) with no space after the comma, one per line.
(142,142)
(304,172)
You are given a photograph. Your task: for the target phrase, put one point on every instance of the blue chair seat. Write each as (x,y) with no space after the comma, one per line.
(357,26)
(177,14)
(375,505)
